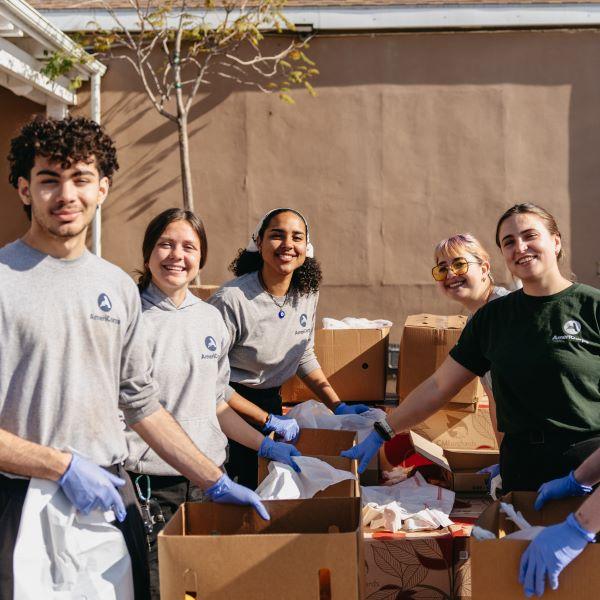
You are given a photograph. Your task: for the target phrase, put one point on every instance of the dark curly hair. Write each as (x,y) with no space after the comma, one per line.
(60,140)
(305,279)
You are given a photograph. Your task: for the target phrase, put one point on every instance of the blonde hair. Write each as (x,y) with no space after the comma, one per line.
(458,244)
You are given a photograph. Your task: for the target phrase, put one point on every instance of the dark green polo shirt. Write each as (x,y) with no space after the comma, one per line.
(544,357)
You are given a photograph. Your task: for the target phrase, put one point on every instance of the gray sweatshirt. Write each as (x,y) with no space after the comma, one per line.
(265,351)
(189,352)
(72,353)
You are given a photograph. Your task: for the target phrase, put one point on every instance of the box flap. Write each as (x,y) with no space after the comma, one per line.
(429,450)
(324,442)
(436,321)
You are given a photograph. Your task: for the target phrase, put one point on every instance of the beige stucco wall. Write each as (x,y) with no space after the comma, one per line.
(413,137)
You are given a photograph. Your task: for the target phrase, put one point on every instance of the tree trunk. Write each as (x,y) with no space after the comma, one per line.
(184,159)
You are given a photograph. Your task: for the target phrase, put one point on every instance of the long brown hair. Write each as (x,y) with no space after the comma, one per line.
(531,209)
(156,228)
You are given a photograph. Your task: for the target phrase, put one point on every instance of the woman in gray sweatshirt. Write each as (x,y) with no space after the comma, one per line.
(269,310)
(188,341)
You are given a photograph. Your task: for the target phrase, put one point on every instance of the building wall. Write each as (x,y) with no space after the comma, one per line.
(413,137)
(15,111)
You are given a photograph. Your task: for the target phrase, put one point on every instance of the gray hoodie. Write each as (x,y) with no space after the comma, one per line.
(188,344)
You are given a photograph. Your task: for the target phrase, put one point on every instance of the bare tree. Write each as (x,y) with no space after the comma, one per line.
(176,51)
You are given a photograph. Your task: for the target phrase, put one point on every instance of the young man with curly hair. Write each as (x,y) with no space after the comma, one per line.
(73,352)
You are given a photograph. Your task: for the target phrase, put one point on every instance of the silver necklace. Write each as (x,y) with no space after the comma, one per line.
(281,313)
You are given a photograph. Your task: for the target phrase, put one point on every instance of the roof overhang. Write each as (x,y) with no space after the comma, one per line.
(27,39)
(380,17)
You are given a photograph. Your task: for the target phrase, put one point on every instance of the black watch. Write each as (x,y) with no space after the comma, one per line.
(384,430)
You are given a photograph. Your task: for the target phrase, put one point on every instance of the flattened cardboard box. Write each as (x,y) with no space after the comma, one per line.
(309,549)
(459,466)
(459,430)
(426,341)
(498,560)
(353,360)
(416,565)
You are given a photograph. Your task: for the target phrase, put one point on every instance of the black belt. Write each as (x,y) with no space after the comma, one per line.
(160,482)
(539,436)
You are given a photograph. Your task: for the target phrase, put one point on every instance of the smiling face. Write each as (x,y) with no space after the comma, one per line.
(175,259)
(468,287)
(283,244)
(63,200)
(529,249)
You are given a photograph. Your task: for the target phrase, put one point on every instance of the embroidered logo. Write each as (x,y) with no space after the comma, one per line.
(572,327)
(104,303)
(210,343)
(303,320)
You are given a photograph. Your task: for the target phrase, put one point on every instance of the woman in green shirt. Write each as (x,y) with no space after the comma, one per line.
(542,346)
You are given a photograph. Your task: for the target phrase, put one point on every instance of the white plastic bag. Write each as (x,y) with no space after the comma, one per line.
(315,415)
(355,323)
(283,483)
(61,554)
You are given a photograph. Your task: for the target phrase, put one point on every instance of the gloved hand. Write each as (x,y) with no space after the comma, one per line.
(89,486)
(365,451)
(226,491)
(285,427)
(346,409)
(560,488)
(280,452)
(550,552)
(492,471)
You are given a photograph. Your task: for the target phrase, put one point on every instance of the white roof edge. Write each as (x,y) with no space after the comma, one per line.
(386,17)
(41,28)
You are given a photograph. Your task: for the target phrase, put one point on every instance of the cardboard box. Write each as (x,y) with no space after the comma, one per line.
(498,561)
(459,430)
(426,341)
(204,292)
(415,565)
(459,467)
(309,549)
(353,360)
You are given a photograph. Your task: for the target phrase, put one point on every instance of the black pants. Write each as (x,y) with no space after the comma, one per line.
(170,492)
(243,461)
(12,497)
(528,460)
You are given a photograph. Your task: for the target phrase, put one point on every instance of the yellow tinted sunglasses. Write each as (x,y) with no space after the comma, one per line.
(459,266)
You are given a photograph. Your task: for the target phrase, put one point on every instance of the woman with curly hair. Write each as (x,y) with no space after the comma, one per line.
(269,310)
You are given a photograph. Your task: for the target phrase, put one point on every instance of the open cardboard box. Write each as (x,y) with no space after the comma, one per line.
(460,430)
(459,466)
(325,444)
(353,360)
(495,563)
(309,549)
(426,341)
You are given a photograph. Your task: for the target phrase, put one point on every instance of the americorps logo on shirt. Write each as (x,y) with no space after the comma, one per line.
(211,346)
(303,320)
(572,328)
(105,305)
(303,323)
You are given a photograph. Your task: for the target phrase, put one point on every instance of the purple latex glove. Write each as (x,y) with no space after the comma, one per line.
(285,427)
(89,486)
(226,491)
(350,409)
(550,552)
(492,471)
(560,488)
(280,452)
(365,451)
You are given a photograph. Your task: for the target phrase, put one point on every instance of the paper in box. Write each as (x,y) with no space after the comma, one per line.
(325,444)
(459,466)
(495,563)
(309,549)
(353,360)
(426,341)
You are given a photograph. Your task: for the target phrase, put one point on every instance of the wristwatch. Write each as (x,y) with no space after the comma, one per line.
(384,430)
